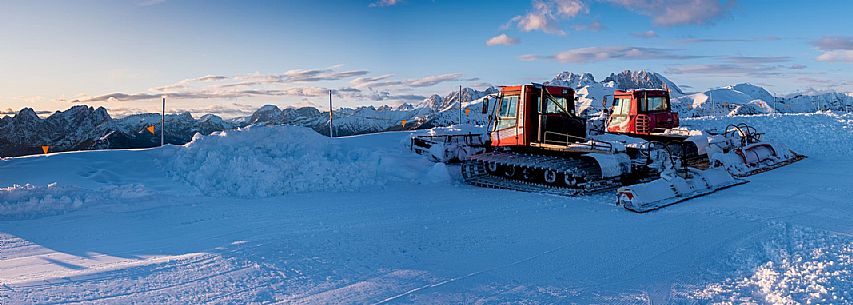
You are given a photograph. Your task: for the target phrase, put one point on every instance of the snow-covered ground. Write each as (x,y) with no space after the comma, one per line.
(281,215)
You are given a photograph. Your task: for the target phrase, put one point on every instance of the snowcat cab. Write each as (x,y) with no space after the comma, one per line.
(641,112)
(538,143)
(521,119)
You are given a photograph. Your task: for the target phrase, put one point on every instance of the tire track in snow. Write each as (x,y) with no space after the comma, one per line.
(472,274)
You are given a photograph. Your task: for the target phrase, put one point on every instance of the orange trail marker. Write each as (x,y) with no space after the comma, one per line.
(45,148)
(404,123)
(150,129)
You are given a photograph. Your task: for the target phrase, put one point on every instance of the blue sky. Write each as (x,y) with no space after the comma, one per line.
(229,57)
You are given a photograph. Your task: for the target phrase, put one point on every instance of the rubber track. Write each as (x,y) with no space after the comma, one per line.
(474,172)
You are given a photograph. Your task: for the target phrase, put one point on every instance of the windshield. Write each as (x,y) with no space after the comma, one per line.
(557,105)
(654,103)
(621,106)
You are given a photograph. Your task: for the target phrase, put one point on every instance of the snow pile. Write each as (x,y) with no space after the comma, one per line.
(32,201)
(798,266)
(265,161)
(27,201)
(817,135)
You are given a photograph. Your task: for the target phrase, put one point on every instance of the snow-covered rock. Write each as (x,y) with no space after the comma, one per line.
(570,79)
(628,79)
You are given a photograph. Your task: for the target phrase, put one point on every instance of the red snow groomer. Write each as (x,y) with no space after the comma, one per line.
(539,144)
(647,114)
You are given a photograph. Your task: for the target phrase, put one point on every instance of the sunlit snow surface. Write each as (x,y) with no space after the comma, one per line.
(281,215)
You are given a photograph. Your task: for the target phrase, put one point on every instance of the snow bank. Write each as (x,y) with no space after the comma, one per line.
(27,201)
(32,201)
(817,135)
(799,265)
(266,161)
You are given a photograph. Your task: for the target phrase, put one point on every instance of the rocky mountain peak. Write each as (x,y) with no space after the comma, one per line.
(628,79)
(573,80)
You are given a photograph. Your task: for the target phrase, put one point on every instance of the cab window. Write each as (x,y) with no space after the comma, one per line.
(507,115)
(621,108)
(654,103)
(557,105)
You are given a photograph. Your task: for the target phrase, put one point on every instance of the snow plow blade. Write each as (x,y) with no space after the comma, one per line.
(762,157)
(667,191)
(447,148)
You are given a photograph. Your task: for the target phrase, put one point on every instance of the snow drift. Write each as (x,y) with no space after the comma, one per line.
(32,201)
(266,161)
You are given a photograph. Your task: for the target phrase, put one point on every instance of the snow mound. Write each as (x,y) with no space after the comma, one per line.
(27,201)
(32,201)
(817,135)
(799,265)
(266,161)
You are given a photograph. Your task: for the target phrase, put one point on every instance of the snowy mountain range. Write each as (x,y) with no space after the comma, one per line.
(82,127)
(739,99)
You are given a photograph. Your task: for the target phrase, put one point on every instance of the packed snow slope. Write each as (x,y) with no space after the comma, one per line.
(278,215)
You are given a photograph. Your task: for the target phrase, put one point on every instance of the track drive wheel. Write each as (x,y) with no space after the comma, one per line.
(527,173)
(509,171)
(491,167)
(550,176)
(570,180)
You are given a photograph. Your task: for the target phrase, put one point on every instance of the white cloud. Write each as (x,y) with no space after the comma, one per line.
(835,43)
(502,39)
(433,80)
(594,54)
(384,3)
(545,14)
(836,49)
(528,57)
(646,34)
(837,56)
(149,2)
(285,86)
(678,12)
(756,59)
(426,81)
(366,80)
(594,26)
(729,70)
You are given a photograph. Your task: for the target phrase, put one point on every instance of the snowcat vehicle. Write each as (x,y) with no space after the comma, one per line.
(538,143)
(647,114)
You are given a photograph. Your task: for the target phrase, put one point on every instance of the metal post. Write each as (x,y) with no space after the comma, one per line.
(163,122)
(331,124)
(460,104)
